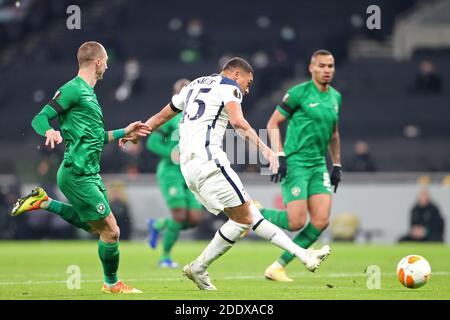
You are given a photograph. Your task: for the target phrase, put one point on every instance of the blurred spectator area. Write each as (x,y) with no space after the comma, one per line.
(406,130)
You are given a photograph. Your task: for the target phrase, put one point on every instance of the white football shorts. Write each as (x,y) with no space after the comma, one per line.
(215,185)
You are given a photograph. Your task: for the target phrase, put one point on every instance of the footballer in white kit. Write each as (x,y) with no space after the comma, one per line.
(208,104)
(204,164)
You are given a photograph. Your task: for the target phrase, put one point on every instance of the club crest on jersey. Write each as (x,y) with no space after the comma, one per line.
(336,108)
(237,94)
(295,191)
(173,191)
(101,208)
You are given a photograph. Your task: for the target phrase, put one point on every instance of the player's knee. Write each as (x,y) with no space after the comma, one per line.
(179,215)
(297,222)
(195,219)
(243,219)
(296,225)
(114,234)
(247,219)
(320,223)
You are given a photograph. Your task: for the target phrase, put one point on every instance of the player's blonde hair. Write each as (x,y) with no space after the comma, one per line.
(89,51)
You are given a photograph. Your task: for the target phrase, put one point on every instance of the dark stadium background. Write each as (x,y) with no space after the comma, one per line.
(405,124)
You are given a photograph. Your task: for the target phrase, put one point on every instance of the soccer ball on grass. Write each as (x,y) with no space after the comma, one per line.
(413,271)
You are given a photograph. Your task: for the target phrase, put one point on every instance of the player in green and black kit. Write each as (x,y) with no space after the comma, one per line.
(185,208)
(312,109)
(81,121)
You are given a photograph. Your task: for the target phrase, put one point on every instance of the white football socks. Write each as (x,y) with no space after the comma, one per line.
(223,240)
(266,230)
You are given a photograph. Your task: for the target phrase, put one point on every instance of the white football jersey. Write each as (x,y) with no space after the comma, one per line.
(205,120)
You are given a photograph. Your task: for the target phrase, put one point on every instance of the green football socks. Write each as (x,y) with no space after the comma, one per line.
(109,256)
(68,213)
(277,217)
(171,233)
(304,239)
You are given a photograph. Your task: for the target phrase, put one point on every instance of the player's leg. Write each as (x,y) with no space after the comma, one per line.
(319,204)
(171,233)
(68,183)
(238,223)
(185,220)
(294,189)
(291,219)
(297,212)
(88,196)
(224,190)
(319,207)
(182,219)
(194,211)
(109,254)
(39,200)
(171,185)
(241,219)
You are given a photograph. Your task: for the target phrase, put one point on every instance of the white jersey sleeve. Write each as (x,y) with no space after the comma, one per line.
(229,92)
(179,99)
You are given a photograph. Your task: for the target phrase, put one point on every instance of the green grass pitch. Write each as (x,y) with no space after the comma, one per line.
(38,270)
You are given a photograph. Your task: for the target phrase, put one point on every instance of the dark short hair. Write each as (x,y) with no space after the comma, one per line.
(238,63)
(321,52)
(89,51)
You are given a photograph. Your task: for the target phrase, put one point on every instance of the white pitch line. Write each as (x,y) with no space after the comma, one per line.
(249,277)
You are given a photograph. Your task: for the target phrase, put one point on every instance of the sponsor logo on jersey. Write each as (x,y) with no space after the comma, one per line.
(313,105)
(101,208)
(295,191)
(336,108)
(286,98)
(89,99)
(237,94)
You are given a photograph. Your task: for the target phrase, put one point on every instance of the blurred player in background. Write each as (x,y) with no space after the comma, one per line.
(80,117)
(208,104)
(312,109)
(185,208)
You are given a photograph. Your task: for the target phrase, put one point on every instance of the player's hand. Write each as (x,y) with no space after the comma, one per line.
(137,128)
(272,158)
(53,137)
(335,176)
(132,138)
(282,170)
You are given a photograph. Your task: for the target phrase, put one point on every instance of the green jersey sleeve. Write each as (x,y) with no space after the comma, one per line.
(291,102)
(156,144)
(67,96)
(165,139)
(40,122)
(63,99)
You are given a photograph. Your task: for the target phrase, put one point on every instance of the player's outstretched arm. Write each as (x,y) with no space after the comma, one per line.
(334,148)
(243,128)
(41,124)
(273,130)
(136,128)
(153,123)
